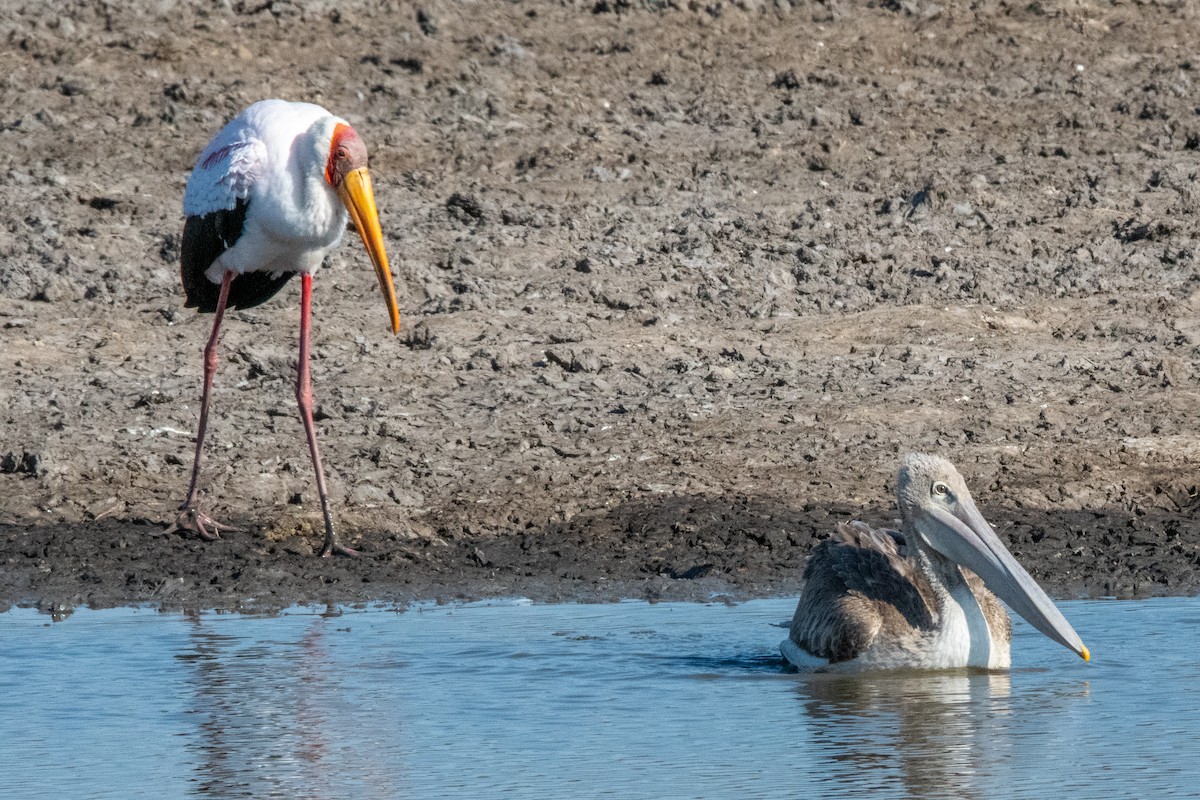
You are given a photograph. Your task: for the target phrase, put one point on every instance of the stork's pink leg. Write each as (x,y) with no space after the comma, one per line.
(305,400)
(190,517)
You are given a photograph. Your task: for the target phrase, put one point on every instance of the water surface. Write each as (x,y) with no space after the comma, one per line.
(631,700)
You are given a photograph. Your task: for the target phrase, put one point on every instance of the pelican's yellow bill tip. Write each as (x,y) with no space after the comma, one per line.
(1086,654)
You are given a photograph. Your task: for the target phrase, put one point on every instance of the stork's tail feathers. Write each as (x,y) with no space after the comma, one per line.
(205,238)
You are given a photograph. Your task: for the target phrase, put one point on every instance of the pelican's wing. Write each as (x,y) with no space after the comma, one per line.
(857,583)
(216,203)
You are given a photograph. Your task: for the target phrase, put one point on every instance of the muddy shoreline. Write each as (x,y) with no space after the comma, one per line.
(680,284)
(691,549)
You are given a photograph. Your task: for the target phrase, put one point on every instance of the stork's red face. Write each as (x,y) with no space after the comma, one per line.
(346,171)
(346,154)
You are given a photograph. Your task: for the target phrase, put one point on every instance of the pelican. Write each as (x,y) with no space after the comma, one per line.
(268,198)
(921,597)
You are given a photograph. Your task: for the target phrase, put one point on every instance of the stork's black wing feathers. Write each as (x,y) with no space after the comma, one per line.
(205,238)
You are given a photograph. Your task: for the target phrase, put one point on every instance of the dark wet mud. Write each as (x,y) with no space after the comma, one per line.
(684,548)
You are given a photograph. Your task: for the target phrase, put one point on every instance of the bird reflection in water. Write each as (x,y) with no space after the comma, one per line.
(271,721)
(941,734)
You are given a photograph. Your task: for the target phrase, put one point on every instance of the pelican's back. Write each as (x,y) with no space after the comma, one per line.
(858,583)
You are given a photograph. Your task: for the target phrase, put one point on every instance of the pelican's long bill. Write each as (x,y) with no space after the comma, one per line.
(359,198)
(966,538)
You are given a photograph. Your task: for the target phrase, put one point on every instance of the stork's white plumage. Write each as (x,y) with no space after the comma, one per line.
(270,197)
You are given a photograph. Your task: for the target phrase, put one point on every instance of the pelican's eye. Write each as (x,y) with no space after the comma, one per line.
(341,154)
(940,489)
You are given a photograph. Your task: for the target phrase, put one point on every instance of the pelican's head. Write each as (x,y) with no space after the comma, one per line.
(935,504)
(346,171)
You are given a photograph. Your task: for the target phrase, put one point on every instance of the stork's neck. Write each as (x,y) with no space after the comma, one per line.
(317,212)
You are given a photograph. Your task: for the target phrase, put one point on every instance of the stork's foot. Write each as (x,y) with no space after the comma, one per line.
(193,519)
(336,548)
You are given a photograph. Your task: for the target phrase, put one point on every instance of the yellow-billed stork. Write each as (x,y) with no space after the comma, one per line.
(270,197)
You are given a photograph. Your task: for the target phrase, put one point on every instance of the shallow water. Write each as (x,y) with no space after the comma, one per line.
(630,700)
